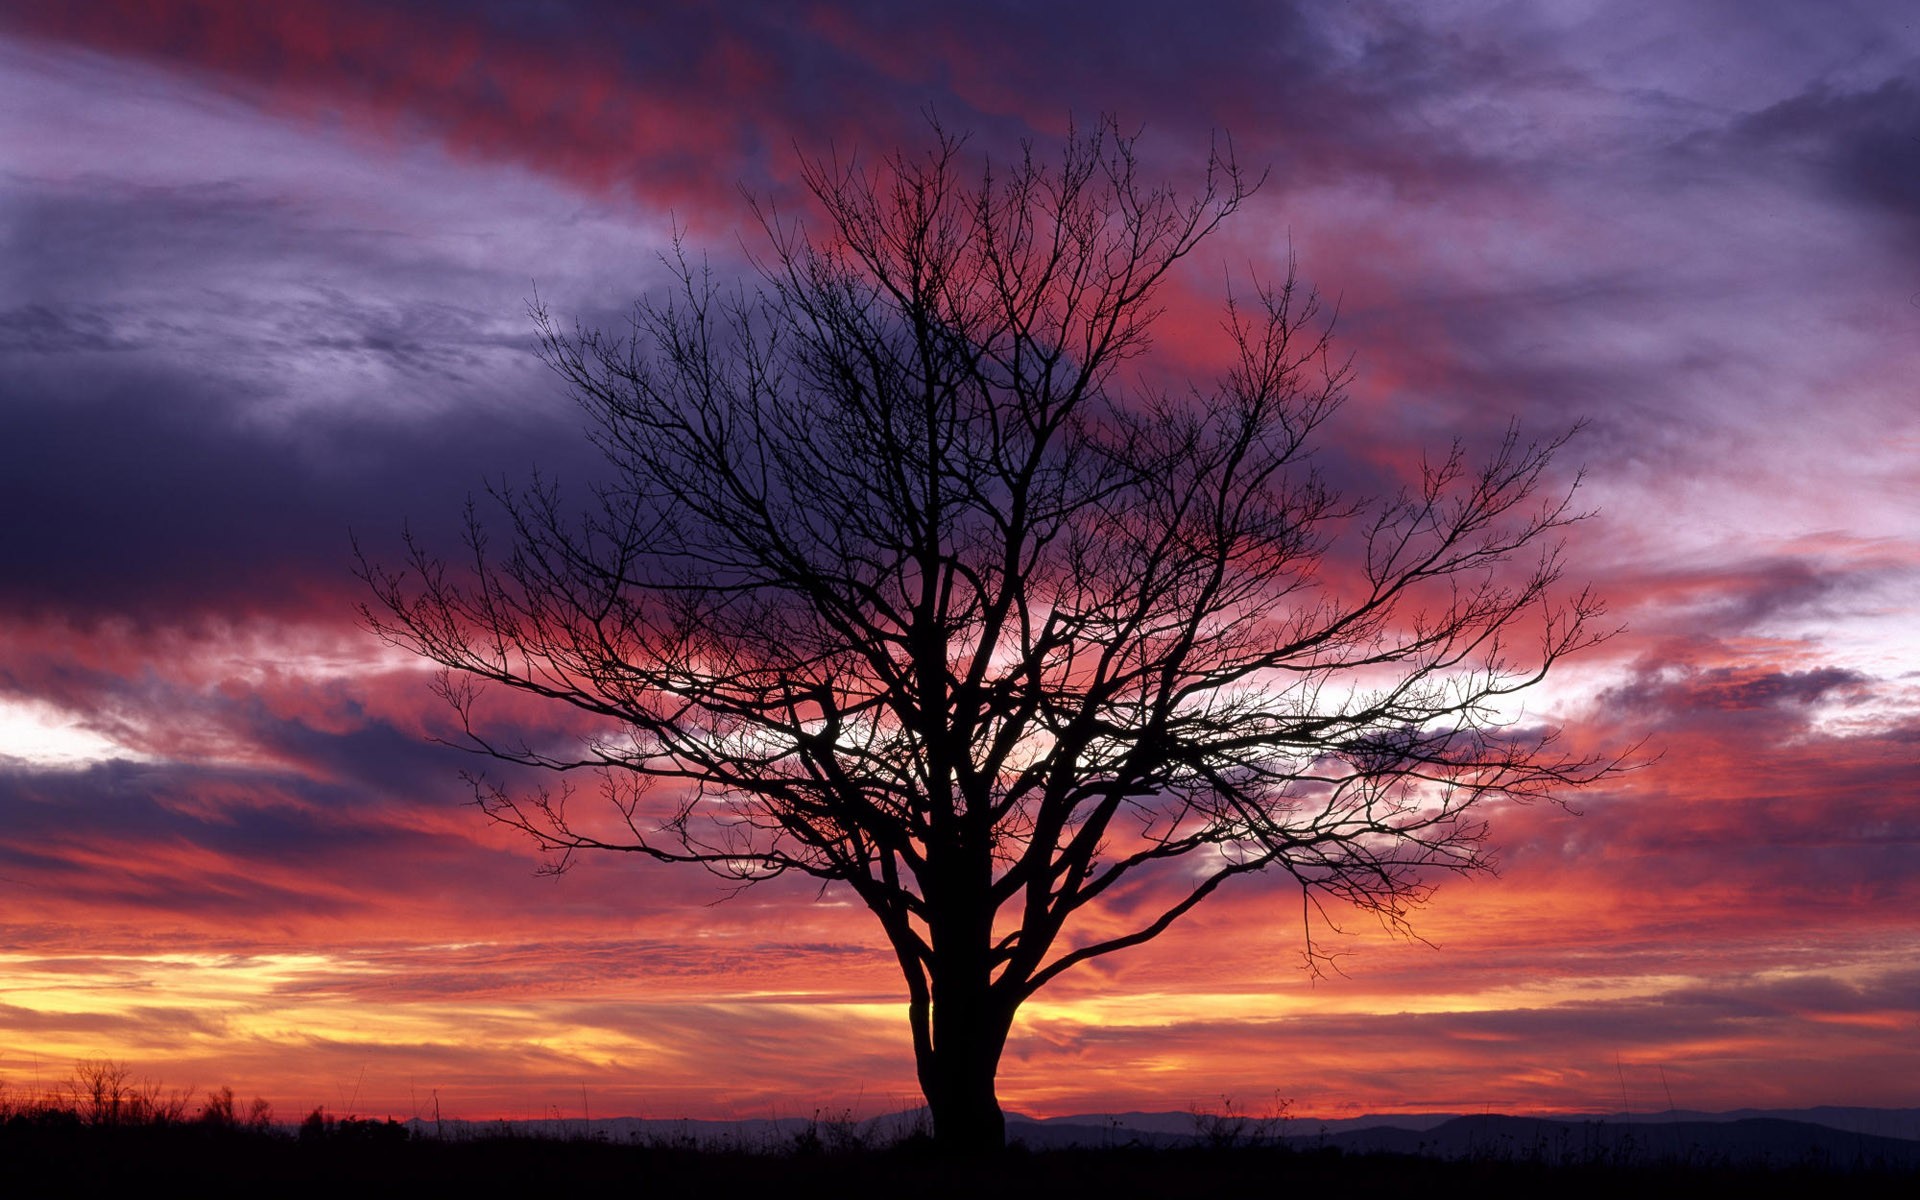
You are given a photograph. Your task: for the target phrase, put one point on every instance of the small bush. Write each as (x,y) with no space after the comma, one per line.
(1230,1126)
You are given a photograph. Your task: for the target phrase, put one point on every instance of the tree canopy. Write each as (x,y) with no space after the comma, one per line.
(903,579)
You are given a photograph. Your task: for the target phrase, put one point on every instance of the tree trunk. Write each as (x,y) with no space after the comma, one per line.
(969,1021)
(957,1070)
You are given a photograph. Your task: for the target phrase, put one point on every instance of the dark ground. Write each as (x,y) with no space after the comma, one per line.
(354,1159)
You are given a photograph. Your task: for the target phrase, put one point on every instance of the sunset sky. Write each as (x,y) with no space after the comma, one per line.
(264,274)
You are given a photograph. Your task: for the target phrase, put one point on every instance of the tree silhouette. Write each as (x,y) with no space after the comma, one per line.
(903,582)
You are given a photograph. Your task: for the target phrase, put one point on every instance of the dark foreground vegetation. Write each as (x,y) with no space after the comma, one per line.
(55,1152)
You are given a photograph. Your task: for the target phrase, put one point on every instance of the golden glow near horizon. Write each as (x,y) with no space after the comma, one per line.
(293,1026)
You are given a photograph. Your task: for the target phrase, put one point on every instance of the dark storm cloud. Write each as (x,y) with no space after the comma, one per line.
(1894,991)
(1863,145)
(610,96)
(682,99)
(204,842)
(1731,690)
(211,391)
(251,288)
(41,329)
(141,494)
(1687,612)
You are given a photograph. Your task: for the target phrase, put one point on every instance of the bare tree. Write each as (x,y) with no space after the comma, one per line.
(898,584)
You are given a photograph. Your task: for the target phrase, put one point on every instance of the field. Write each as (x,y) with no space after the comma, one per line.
(59,1152)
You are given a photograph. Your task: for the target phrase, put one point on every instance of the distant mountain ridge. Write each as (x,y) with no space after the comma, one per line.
(1824,1136)
(1880,1122)
(1746,1141)
(1827,1136)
